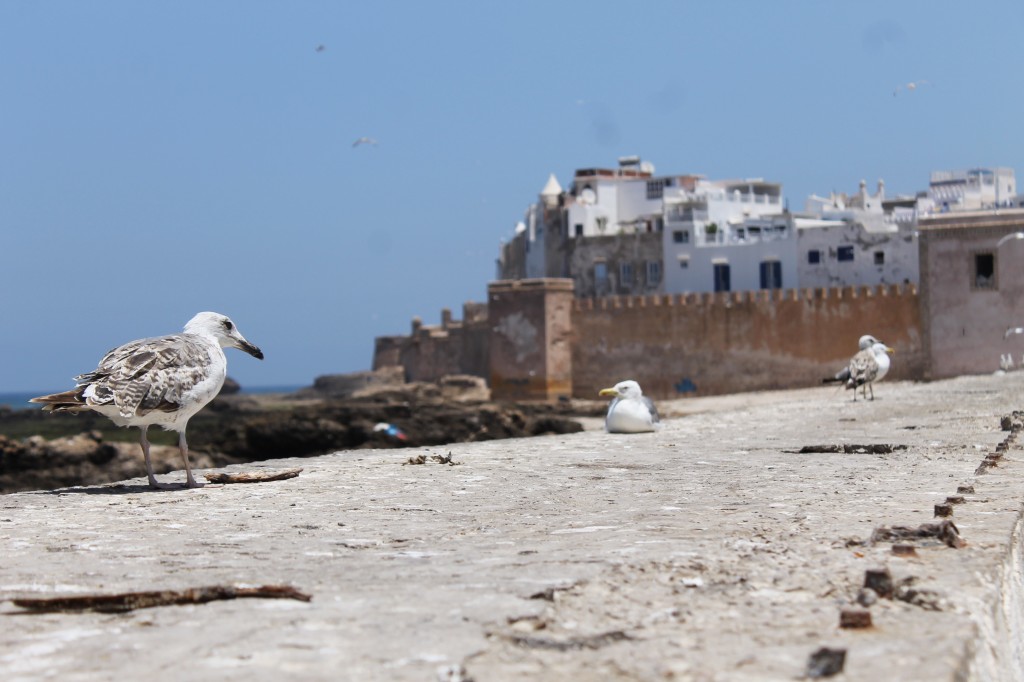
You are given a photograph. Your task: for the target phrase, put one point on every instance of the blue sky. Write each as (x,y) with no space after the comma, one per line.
(159,159)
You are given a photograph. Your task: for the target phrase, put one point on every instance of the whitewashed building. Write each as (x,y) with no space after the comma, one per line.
(627,230)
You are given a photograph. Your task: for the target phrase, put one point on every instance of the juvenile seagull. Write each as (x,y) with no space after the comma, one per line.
(631,411)
(867,367)
(843,375)
(163,381)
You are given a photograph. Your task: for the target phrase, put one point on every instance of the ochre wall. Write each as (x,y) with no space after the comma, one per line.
(705,344)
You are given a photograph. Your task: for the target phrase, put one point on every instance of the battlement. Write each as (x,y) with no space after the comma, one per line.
(729,298)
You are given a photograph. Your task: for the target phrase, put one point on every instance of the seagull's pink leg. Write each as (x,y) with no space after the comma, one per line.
(183,446)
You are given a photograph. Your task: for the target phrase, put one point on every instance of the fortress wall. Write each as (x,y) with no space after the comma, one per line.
(706,344)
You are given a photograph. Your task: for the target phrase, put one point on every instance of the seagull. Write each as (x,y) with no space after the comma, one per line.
(867,367)
(631,411)
(162,381)
(843,375)
(1010,331)
(365,140)
(321,48)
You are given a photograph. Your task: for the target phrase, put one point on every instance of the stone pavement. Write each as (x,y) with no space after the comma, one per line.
(710,550)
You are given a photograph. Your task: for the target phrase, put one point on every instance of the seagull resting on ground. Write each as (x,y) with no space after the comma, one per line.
(867,367)
(631,411)
(162,381)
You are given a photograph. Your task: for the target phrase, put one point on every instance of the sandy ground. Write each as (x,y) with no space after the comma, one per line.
(710,550)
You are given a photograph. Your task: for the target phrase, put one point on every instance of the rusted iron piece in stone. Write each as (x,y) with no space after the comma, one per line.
(129,601)
(253,476)
(944,531)
(826,662)
(955,499)
(904,550)
(879,580)
(943,510)
(965,489)
(854,618)
(851,448)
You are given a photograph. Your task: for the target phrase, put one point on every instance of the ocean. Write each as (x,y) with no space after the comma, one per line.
(20,401)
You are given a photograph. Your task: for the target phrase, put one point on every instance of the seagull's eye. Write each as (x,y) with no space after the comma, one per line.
(228,325)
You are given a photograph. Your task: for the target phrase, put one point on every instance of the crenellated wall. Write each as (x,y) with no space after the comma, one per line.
(704,344)
(674,345)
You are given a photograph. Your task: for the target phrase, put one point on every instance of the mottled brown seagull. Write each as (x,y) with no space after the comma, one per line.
(159,381)
(867,367)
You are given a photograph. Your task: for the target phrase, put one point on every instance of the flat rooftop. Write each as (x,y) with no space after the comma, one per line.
(712,549)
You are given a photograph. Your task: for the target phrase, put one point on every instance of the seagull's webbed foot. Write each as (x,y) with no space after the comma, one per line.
(193,483)
(157,485)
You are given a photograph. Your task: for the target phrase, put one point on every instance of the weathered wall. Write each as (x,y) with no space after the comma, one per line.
(964,324)
(433,351)
(705,344)
(530,343)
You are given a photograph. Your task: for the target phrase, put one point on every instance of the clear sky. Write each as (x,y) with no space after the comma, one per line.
(158,159)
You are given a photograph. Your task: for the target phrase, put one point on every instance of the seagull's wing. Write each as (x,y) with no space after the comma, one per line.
(146,375)
(863,369)
(652,409)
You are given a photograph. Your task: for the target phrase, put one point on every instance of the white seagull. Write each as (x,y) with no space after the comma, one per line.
(1010,331)
(631,411)
(364,140)
(867,367)
(159,381)
(909,86)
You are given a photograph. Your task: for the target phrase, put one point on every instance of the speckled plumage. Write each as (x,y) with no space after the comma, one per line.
(867,367)
(159,381)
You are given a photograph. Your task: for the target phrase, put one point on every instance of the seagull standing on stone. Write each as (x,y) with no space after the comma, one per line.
(630,411)
(867,367)
(159,381)
(843,375)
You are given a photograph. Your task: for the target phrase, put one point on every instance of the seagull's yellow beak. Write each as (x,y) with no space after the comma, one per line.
(608,392)
(890,351)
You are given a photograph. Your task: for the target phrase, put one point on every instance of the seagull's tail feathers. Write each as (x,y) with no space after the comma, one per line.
(841,376)
(68,401)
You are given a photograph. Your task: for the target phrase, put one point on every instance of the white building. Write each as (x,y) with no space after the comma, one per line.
(628,231)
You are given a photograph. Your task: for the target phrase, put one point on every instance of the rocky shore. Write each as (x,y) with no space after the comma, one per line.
(345,412)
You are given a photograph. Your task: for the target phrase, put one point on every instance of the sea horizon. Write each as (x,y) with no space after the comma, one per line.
(19,400)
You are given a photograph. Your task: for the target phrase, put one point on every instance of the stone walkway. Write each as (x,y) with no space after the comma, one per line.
(710,550)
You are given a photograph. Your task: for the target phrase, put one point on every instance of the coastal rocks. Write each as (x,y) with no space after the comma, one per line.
(344,425)
(36,463)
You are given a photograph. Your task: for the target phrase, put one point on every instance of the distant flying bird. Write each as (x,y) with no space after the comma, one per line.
(364,140)
(1010,331)
(162,381)
(321,48)
(631,411)
(910,87)
(867,367)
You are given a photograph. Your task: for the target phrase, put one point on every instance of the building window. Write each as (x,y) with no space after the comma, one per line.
(844,253)
(579,229)
(771,274)
(653,272)
(681,236)
(984,274)
(600,277)
(655,189)
(626,276)
(684,263)
(879,257)
(722,277)
(814,256)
